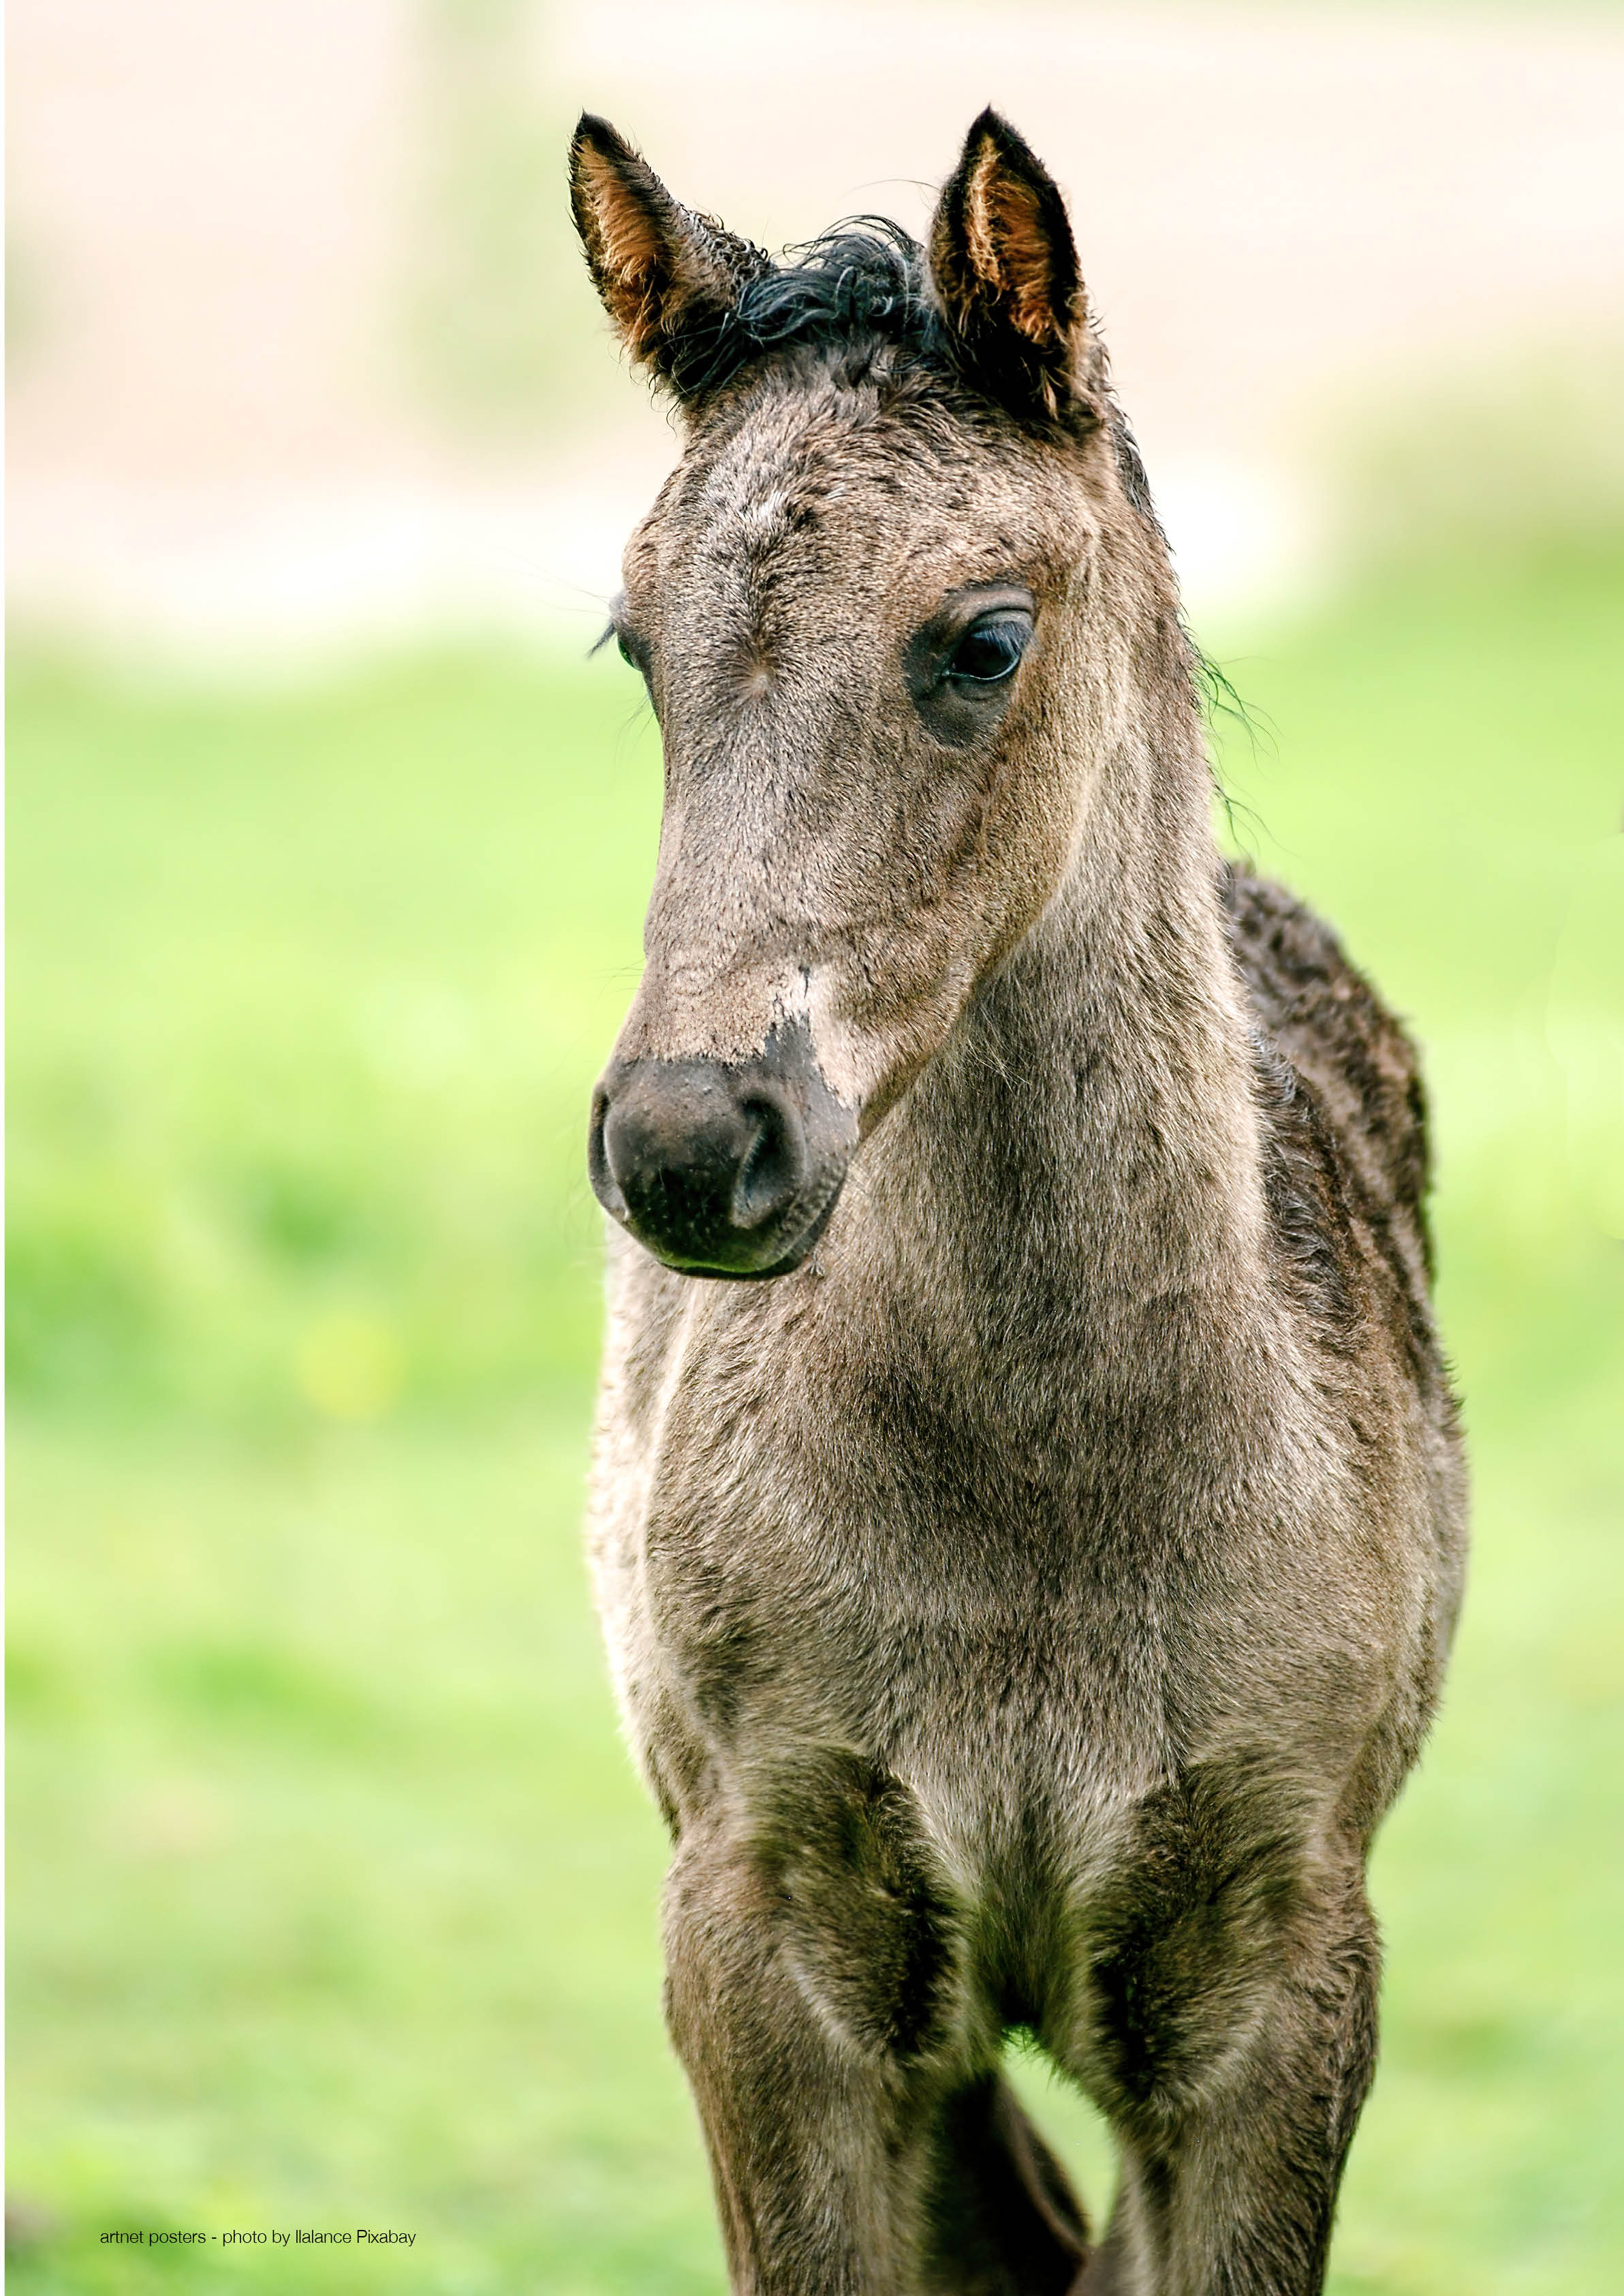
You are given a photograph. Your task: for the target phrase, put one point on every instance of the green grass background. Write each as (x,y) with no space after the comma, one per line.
(332,1895)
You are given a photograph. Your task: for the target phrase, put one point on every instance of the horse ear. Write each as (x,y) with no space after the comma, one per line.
(1005,271)
(669,279)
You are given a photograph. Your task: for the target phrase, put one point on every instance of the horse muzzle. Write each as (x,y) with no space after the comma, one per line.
(722,1167)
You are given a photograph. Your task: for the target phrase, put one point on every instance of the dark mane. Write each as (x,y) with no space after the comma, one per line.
(856,288)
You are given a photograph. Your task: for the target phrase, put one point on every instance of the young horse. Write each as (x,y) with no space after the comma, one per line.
(1028,1594)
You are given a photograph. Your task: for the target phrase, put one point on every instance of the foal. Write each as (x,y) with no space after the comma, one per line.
(1028,1572)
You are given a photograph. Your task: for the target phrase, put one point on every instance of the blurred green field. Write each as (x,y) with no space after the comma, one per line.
(332,1897)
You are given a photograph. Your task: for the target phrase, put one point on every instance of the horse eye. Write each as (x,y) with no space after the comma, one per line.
(990,651)
(631,650)
(628,648)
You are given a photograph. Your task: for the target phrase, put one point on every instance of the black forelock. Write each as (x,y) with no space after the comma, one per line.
(857,286)
(857,289)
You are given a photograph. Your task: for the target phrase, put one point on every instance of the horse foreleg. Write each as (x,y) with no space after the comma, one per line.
(818,2125)
(1234,2193)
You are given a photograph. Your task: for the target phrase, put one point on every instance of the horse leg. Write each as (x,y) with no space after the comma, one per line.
(1233,2195)
(815,2098)
(1003,2218)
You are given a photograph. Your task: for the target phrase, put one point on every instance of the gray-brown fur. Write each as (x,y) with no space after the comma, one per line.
(1025,1605)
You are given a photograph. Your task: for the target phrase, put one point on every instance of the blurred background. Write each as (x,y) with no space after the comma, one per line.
(332,1898)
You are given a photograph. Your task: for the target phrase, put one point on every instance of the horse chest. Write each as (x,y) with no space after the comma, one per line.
(977,1756)
(923,1593)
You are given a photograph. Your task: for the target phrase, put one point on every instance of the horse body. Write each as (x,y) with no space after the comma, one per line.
(1026,1599)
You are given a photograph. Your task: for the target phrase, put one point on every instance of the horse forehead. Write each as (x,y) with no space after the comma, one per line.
(752,503)
(801,481)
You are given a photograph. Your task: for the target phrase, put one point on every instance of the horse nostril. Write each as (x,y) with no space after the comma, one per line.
(606,1186)
(720,1168)
(773,1168)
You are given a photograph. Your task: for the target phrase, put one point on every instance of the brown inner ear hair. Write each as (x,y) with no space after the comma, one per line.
(1007,281)
(1004,229)
(670,279)
(625,246)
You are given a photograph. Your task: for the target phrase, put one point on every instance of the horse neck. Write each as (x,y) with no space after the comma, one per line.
(1085,1146)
